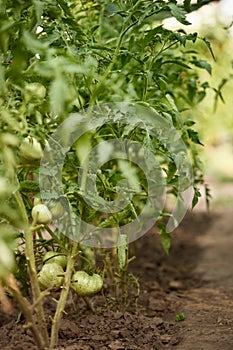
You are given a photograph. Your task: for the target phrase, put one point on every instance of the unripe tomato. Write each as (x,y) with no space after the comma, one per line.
(41,214)
(37,201)
(86,285)
(30,149)
(55,257)
(51,276)
(57,209)
(35,90)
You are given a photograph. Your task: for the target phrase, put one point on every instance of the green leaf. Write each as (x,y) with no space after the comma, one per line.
(129,172)
(35,45)
(3,88)
(207,195)
(207,43)
(187,5)
(178,62)
(165,237)
(39,7)
(197,195)
(180,317)
(189,122)
(58,95)
(218,93)
(83,147)
(171,171)
(29,186)
(122,251)
(193,135)
(202,64)
(178,13)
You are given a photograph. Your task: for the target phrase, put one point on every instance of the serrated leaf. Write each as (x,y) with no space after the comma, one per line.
(193,135)
(178,13)
(209,47)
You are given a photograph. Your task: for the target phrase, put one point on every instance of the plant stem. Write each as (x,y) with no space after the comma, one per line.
(26,309)
(31,263)
(89,304)
(69,270)
(4,301)
(63,296)
(124,30)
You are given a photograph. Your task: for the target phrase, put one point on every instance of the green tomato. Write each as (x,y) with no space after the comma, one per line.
(37,201)
(30,149)
(54,257)
(41,214)
(57,209)
(86,285)
(35,90)
(51,276)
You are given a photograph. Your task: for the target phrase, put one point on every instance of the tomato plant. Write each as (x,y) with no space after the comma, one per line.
(62,58)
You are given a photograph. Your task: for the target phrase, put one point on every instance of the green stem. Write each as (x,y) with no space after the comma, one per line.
(26,309)
(63,297)
(31,263)
(124,30)
(89,304)
(69,270)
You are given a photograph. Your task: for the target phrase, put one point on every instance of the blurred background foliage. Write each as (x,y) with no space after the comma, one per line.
(214,115)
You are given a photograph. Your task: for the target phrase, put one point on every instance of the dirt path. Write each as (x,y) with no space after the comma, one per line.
(196,278)
(209,309)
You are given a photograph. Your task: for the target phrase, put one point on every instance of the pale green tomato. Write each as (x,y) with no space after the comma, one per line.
(41,214)
(54,257)
(30,149)
(57,209)
(51,276)
(86,285)
(37,201)
(35,90)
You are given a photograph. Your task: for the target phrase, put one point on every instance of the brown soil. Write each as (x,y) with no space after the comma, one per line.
(196,279)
